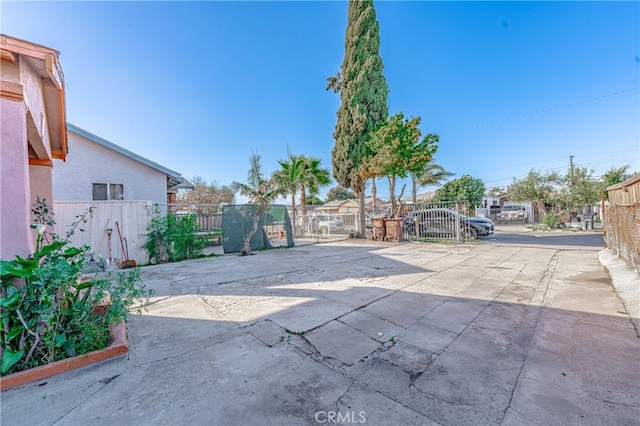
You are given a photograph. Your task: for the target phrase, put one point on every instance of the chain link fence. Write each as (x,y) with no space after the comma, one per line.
(319,224)
(622,220)
(426,222)
(222,227)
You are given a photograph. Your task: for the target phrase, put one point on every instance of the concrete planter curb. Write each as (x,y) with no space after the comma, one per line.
(117,347)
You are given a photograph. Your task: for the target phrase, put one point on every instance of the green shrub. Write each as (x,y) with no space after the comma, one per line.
(47,312)
(173,238)
(551,219)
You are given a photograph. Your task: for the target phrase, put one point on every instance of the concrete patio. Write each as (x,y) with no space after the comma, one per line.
(363,332)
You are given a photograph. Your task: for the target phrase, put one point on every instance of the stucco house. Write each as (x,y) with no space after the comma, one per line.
(351,206)
(99,170)
(32,137)
(340,206)
(374,205)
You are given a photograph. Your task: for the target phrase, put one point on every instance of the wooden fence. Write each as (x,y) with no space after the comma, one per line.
(132,217)
(622,220)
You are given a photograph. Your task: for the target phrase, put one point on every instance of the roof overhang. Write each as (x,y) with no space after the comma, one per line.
(183,185)
(44,61)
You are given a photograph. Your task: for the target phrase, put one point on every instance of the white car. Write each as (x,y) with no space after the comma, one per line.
(513,213)
(325,224)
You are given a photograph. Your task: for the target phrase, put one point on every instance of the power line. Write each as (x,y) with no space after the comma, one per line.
(552,169)
(549,160)
(475,126)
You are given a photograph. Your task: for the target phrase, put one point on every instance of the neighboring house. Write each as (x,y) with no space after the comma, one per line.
(340,206)
(351,206)
(97,169)
(32,136)
(370,205)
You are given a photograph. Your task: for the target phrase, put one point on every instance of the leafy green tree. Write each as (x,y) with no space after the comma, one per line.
(339,193)
(206,193)
(363,94)
(582,189)
(261,191)
(538,188)
(398,151)
(614,176)
(465,188)
(497,192)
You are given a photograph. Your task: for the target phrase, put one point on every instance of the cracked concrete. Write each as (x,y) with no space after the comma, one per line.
(364,332)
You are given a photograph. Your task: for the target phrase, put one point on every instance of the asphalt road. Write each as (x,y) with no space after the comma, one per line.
(519,235)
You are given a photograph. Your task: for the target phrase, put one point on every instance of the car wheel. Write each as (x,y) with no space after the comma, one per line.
(324,230)
(469,233)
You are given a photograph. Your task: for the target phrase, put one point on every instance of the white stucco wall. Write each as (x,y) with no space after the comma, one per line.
(88,163)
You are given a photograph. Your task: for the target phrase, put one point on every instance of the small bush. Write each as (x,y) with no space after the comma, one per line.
(173,238)
(47,313)
(551,219)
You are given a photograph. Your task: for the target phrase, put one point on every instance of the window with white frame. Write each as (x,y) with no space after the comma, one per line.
(108,191)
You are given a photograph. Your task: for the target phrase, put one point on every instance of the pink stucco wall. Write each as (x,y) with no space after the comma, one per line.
(40,179)
(16,236)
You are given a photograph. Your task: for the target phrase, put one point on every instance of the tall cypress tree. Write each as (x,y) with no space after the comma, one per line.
(363,94)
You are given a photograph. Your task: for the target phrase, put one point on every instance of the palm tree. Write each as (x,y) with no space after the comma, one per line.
(289,178)
(432,174)
(260,191)
(313,178)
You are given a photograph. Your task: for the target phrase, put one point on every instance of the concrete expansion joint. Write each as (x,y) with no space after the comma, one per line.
(154,302)
(180,355)
(353,381)
(104,382)
(332,363)
(108,380)
(390,396)
(413,377)
(545,281)
(314,350)
(201,297)
(250,278)
(530,421)
(607,401)
(465,260)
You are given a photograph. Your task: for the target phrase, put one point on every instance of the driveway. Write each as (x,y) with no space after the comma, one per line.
(364,332)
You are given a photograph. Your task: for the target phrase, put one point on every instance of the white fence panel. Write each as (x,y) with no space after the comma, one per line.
(132,217)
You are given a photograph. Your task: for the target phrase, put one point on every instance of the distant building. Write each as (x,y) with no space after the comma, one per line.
(351,206)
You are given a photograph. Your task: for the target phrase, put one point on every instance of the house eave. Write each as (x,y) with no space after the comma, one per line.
(44,61)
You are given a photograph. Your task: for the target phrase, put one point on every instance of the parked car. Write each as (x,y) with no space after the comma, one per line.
(441,223)
(513,213)
(325,224)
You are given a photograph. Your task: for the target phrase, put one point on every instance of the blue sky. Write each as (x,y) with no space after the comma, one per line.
(199,86)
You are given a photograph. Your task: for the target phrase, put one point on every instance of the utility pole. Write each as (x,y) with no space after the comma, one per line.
(571,166)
